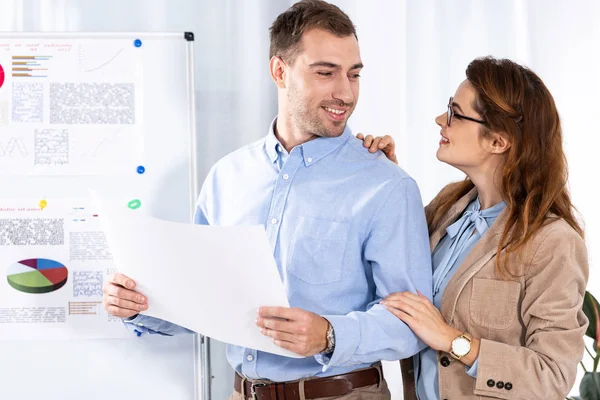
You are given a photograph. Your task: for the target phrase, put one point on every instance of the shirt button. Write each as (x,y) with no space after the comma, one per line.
(274,221)
(508,386)
(140,324)
(309,159)
(444,361)
(491,383)
(286,176)
(500,385)
(249,357)
(279,147)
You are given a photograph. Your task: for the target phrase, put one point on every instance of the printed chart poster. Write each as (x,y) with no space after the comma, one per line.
(54,261)
(70,106)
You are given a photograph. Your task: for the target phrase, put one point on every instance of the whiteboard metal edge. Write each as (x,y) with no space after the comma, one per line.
(202,373)
(87,35)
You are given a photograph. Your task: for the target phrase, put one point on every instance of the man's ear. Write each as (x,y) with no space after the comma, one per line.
(499,143)
(277,68)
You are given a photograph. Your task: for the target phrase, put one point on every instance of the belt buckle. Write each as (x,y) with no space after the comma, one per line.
(253,392)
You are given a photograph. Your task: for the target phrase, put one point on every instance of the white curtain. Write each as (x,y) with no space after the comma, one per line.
(415,53)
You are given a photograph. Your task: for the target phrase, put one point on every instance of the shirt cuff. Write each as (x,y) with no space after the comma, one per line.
(472,370)
(347,338)
(135,324)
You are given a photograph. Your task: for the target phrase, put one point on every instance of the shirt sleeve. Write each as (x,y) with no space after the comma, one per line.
(397,249)
(141,324)
(472,370)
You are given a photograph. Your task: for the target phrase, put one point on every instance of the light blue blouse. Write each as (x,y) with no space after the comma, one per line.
(448,255)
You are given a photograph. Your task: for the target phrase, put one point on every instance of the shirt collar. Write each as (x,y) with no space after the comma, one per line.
(491,212)
(312,151)
(271,142)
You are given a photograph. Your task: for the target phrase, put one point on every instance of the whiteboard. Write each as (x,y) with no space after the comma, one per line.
(112,112)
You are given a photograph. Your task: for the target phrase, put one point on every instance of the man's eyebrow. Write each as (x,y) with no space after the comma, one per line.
(328,64)
(325,64)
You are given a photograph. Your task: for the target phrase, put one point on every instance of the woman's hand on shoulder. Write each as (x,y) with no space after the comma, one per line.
(384,143)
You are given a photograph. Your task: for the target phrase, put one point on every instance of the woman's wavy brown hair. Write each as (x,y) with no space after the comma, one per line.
(512,99)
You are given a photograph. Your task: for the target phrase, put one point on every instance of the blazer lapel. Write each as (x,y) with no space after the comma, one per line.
(452,215)
(483,251)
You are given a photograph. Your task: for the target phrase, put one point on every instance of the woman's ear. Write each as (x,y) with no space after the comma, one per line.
(277,68)
(499,143)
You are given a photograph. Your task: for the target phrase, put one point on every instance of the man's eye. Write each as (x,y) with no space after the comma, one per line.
(324,73)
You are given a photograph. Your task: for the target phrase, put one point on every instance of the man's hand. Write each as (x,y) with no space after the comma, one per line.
(120,299)
(294,329)
(384,143)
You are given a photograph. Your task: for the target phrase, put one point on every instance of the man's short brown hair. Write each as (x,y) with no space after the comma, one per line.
(288,28)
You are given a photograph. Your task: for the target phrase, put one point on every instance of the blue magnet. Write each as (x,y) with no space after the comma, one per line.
(137,43)
(141,169)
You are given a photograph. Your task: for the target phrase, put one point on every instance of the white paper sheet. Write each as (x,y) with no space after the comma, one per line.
(211,280)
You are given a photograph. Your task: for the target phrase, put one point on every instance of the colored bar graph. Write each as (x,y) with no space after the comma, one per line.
(22,66)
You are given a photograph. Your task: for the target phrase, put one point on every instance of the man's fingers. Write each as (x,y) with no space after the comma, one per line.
(291,314)
(122,280)
(275,324)
(360,136)
(126,304)
(281,336)
(368,141)
(125,294)
(294,348)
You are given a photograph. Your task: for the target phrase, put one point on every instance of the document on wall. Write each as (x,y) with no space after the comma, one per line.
(209,279)
(70,106)
(54,260)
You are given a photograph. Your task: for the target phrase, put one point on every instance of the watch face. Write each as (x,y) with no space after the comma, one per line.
(461,346)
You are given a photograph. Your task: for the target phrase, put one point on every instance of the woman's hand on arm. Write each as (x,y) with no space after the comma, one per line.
(427,322)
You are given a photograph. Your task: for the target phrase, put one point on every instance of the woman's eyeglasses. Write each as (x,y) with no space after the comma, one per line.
(451,114)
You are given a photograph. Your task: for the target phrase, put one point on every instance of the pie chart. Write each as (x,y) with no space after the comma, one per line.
(1,75)
(37,275)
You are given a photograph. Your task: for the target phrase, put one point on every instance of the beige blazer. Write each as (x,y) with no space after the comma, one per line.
(531,327)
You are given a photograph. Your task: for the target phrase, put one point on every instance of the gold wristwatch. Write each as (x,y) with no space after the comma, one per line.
(461,346)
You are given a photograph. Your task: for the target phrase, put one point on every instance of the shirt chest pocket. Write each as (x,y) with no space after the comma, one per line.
(317,250)
(494,304)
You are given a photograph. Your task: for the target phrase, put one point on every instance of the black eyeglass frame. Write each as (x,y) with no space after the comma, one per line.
(451,113)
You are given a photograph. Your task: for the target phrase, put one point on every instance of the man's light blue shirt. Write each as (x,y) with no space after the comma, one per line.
(347,228)
(447,257)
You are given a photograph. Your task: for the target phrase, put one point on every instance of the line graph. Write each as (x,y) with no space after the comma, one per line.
(100,66)
(13,144)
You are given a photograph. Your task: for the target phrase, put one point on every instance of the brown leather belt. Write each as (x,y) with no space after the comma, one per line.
(314,388)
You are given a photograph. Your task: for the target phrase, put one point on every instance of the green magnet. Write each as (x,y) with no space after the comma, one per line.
(134,204)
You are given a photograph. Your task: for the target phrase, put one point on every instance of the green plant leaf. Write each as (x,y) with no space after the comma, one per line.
(587,388)
(591,309)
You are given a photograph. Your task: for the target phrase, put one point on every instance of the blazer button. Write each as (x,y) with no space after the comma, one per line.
(444,361)
(508,386)
(491,383)
(500,385)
